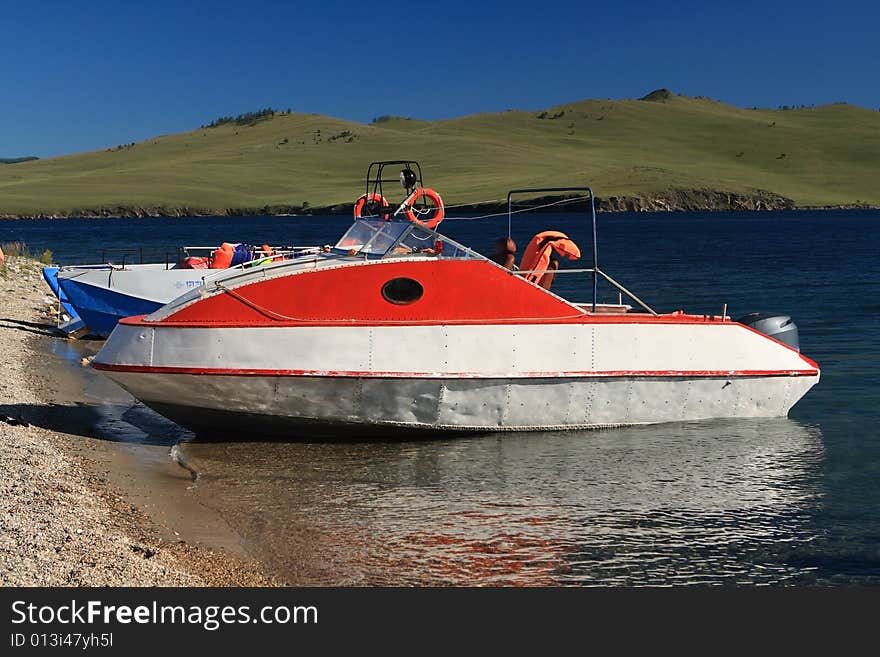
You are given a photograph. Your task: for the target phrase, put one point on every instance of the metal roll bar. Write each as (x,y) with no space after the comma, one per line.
(595,268)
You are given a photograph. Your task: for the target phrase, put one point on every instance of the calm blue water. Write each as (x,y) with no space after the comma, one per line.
(789,501)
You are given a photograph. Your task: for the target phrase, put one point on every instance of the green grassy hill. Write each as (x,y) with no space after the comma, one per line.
(827,155)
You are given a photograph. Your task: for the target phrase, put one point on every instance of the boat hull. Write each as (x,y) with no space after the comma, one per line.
(103,295)
(228,406)
(50,275)
(101,309)
(72,323)
(238,381)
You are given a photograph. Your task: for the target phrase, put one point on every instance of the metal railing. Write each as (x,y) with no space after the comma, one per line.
(170,256)
(618,286)
(285,258)
(594,270)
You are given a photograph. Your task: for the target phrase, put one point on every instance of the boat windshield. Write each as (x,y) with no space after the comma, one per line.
(388,239)
(371,237)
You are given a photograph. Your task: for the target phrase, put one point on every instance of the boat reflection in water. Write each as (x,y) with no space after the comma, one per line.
(703,502)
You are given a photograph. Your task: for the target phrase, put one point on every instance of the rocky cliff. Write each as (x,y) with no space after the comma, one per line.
(676,200)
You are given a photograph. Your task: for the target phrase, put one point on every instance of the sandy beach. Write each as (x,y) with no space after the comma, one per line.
(64,521)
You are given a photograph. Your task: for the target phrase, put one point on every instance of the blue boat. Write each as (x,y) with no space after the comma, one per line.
(70,321)
(103,294)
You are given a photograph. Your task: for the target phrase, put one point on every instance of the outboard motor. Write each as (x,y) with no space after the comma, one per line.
(778,327)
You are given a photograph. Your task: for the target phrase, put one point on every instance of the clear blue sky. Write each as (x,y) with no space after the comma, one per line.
(87,75)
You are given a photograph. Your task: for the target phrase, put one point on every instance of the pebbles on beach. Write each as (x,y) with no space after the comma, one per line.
(60,524)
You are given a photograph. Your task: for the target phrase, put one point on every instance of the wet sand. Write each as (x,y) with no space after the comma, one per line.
(84,500)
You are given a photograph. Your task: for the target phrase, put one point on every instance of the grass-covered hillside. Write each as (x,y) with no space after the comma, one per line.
(827,155)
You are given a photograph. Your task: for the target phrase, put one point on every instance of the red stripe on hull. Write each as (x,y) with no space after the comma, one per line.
(633,318)
(148,369)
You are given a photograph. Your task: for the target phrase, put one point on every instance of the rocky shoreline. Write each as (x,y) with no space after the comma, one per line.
(61,522)
(677,200)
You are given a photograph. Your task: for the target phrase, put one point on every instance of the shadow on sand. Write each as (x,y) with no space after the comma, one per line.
(36,328)
(109,422)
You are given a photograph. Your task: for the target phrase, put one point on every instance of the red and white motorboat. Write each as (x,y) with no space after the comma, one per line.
(400,329)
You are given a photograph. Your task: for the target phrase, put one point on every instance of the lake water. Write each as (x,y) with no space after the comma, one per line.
(784,501)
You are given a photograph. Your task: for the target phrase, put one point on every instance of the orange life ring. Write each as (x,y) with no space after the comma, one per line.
(434,221)
(362,201)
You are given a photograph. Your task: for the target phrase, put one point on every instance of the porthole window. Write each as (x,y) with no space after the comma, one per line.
(402,291)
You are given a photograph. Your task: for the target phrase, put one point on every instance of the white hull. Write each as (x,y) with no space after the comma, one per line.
(152,282)
(103,295)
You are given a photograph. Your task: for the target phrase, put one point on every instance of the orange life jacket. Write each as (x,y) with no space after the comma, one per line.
(222,257)
(537,254)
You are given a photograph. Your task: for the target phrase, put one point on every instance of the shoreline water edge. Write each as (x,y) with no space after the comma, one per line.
(64,520)
(678,200)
